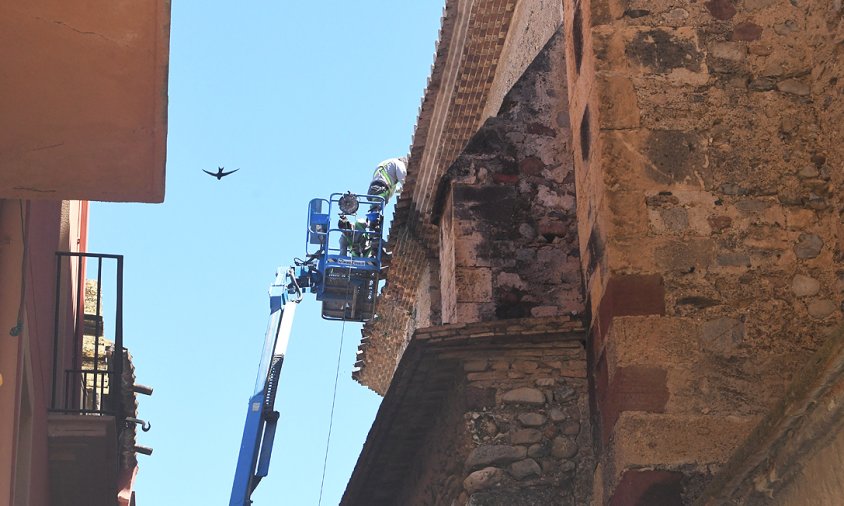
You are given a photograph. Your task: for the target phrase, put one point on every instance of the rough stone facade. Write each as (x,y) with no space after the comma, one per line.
(709,220)
(483,413)
(668,173)
(506,208)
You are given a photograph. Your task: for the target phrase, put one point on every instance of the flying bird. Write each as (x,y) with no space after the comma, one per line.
(219,174)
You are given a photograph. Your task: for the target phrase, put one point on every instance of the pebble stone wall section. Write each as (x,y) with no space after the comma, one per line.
(708,153)
(493,413)
(533,443)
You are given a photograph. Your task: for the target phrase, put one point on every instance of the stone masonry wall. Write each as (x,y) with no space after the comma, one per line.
(528,419)
(506,210)
(514,430)
(708,157)
(437,474)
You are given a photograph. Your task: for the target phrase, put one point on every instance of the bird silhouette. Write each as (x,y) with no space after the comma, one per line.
(219,174)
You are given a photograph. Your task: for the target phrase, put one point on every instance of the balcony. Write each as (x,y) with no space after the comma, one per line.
(93,417)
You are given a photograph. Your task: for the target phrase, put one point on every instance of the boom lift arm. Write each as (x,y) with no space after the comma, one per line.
(253,461)
(344,278)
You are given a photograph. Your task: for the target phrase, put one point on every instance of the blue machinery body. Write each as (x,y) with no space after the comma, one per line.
(342,268)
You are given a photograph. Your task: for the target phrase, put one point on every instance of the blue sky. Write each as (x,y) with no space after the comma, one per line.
(305,98)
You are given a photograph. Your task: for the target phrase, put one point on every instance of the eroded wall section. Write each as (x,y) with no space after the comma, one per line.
(506,208)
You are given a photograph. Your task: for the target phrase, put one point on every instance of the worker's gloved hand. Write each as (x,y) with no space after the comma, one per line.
(344,224)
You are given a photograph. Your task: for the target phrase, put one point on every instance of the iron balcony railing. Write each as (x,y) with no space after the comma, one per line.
(88,367)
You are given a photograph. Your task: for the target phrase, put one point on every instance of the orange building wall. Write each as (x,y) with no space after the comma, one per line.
(84,100)
(34,230)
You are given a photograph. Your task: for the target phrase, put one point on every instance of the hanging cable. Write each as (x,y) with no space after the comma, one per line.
(24,216)
(331,417)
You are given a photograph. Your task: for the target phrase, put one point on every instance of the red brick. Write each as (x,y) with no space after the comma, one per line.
(634,388)
(635,295)
(648,488)
(505,178)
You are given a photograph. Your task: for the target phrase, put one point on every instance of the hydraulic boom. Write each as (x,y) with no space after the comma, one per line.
(342,269)
(253,462)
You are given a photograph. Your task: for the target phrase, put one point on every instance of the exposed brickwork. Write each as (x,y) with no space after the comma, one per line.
(488,23)
(395,321)
(632,388)
(453,104)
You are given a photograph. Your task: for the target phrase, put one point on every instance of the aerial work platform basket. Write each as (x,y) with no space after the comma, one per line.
(344,254)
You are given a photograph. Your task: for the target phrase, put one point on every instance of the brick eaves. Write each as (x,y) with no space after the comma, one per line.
(485,32)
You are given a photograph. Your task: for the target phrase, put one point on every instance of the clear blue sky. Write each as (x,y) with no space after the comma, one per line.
(305,98)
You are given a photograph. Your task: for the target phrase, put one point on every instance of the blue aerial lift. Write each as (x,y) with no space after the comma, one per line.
(342,267)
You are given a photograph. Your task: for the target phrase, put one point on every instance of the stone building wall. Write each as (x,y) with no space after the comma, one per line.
(708,168)
(705,250)
(529,423)
(501,241)
(506,208)
(514,427)
(437,472)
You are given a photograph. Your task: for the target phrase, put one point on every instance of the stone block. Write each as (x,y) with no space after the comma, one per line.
(525,436)
(483,479)
(469,251)
(487,455)
(525,395)
(526,468)
(469,312)
(473,284)
(821,308)
(652,440)
(632,295)
(747,31)
(675,156)
(619,106)
(563,447)
(722,336)
(662,51)
(531,419)
(732,51)
(685,256)
(808,246)
(795,87)
(621,158)
(629,213)
(804,286)
(721,10)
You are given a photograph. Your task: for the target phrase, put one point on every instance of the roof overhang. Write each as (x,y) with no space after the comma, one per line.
(83,95)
